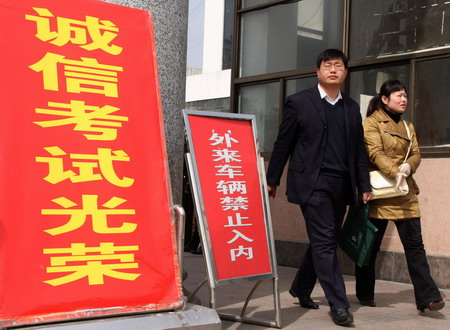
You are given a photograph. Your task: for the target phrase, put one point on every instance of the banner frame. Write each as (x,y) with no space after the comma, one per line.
(145,307)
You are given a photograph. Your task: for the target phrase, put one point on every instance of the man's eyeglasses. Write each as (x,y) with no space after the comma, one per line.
(337,66)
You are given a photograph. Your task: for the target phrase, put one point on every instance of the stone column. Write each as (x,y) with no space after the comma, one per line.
(170,19)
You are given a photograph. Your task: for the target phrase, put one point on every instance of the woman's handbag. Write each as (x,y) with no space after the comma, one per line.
(357,235)
(384,187)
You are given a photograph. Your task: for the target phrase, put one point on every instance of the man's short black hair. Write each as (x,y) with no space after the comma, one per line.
(330,54)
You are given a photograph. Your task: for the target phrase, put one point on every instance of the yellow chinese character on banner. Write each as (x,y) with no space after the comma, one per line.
(86,164)
(93,268)
(89,207)
(87,118)
(101,32)
(86,75)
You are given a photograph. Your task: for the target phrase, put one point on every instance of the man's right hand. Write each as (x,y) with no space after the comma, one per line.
(272,190)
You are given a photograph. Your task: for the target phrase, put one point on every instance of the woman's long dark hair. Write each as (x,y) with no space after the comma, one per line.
(388,87)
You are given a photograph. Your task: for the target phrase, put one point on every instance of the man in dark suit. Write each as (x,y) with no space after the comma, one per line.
(322,137)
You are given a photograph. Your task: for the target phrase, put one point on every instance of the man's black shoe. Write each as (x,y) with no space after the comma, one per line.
(308,303)
(305,302)
(293,293)
(341,316)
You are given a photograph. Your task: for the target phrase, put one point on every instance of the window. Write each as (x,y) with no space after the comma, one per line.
(296,85)
(251,3)
(408,40)
(262,101)
(288,36)
(227,35)
(220,105)
(397,26)
(432,114)
(365,84)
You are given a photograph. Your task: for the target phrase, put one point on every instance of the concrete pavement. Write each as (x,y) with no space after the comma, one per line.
(395,310)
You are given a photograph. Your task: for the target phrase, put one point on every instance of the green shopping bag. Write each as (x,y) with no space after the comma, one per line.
(357,235)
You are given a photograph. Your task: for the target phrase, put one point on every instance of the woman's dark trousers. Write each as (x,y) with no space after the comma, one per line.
(425,290)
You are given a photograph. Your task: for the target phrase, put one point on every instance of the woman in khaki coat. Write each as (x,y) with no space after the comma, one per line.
(387,143)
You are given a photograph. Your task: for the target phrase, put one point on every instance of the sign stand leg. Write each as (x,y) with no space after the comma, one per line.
(244,319)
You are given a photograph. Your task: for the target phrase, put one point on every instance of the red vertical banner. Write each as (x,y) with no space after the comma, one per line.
(227,169)
(85,207)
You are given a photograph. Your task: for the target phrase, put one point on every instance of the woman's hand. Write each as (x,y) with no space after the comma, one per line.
(405,168)
(399,178)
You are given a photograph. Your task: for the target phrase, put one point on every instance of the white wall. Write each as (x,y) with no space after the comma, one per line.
(213,82)
(213,35)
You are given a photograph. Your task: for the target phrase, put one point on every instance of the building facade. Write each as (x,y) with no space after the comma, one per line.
(274,50)
(274,46)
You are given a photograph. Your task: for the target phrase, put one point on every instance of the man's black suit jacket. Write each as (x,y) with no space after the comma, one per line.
(302,138)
